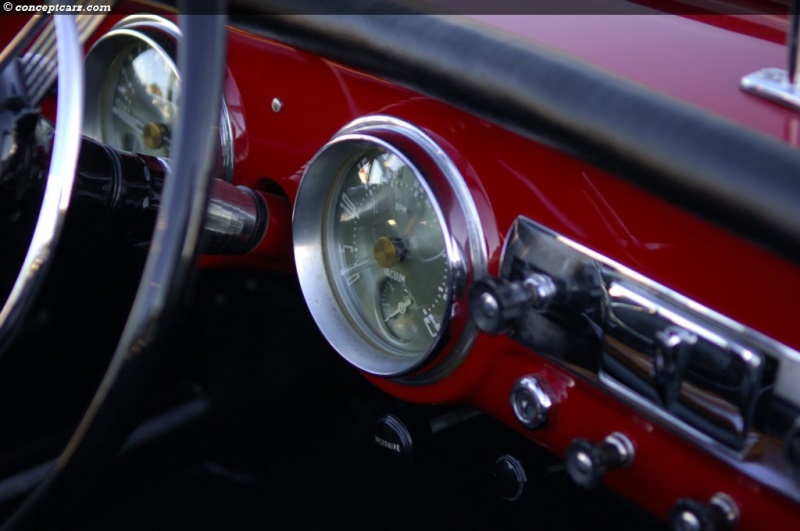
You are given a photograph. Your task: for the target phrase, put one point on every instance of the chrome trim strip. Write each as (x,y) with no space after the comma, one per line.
(60,178)
(788,390)
(760,454)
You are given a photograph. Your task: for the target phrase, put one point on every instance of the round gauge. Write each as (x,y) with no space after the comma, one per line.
(385,238)
(133,90)
(140,96)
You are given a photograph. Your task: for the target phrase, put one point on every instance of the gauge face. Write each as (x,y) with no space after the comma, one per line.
(141,98)
(387,255)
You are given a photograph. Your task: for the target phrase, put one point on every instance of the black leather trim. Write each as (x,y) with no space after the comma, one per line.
(739,179)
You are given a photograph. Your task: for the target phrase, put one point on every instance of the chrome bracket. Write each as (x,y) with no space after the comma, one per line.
(775,84)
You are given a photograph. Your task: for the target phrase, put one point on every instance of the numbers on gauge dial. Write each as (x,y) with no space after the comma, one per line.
(392,266)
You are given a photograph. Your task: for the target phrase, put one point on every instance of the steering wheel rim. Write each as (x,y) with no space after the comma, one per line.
(114,410)
(60,180)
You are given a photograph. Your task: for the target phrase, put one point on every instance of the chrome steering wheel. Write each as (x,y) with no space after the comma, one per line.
(60,178)
(115,407)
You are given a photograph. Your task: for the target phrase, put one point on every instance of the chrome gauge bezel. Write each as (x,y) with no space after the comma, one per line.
(163,36)
(464,248)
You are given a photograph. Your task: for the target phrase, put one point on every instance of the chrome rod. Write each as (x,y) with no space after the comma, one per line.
(40,81)
(42,46)
(791,41)
(39,63)
(42,62)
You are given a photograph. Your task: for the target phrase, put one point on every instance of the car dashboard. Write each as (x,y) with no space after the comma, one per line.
(502,247)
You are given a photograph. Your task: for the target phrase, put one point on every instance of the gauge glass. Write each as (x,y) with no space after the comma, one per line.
(386,254)
(141,100)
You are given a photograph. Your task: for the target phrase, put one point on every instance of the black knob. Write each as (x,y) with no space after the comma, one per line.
(396,440)
(510,477)
(405,441)
(719,514)
(495,302)
(588,462)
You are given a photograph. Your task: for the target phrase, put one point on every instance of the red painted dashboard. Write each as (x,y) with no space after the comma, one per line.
(510,176)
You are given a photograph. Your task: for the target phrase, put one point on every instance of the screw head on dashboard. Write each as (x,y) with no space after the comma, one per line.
(531,402)
(277,105)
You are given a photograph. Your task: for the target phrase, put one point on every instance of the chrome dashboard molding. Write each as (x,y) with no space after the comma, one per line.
(465,249)
(60,179)
(162,35)
(757,449)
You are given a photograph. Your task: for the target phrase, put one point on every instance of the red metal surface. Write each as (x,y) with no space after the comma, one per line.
(699,60)
(511,176)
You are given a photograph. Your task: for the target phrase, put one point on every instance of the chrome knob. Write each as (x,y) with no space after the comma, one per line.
(719,514)
(495,302)
(588,462)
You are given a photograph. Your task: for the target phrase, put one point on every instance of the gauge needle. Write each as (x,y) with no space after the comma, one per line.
(130,120)
(402,306)
(355,267)
(411,225)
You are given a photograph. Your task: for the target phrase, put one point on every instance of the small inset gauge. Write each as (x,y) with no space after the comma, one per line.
(133,90)
(382,268)
(399,312)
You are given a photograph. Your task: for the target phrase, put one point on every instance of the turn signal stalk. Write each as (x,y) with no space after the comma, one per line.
(120,192)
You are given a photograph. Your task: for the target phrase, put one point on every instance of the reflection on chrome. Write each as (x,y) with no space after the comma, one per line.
(59,179)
